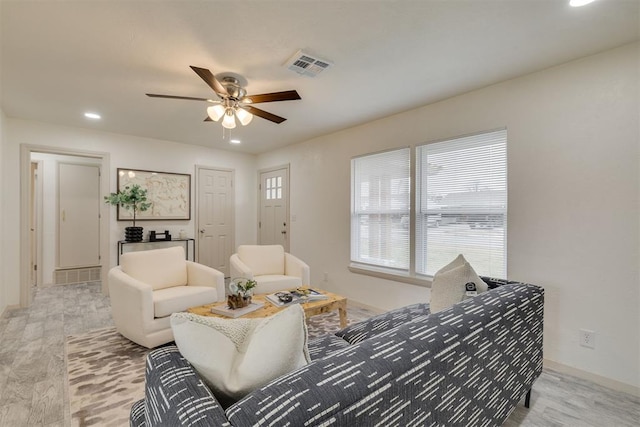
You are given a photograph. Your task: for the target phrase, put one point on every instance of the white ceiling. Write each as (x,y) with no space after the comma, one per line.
(62,58)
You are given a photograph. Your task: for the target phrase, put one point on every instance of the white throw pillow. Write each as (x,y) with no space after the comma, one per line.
(236,356)
(448,286)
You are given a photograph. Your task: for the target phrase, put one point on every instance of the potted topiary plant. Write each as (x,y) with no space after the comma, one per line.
(240,292)
(132,198)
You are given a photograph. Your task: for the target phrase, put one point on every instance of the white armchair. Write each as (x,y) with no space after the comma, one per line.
(148,286)
(270,266)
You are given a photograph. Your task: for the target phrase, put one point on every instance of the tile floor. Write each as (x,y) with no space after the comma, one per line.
(33,384)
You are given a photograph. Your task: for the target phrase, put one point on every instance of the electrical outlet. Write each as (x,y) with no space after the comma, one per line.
(587,338)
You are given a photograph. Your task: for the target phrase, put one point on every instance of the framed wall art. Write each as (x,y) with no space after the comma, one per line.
(168,193)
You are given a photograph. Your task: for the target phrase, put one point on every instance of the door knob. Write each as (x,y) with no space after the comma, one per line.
(202,231)
(284,231)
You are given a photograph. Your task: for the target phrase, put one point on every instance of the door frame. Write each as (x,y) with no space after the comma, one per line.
(25,190)
(286,166)
(196,197)
(38,195)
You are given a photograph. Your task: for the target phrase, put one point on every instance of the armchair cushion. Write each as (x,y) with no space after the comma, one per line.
(179,298)
(262,259)
(270,266)
(160,268)
(274,283)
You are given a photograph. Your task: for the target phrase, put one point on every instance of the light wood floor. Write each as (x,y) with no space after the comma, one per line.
(33,380)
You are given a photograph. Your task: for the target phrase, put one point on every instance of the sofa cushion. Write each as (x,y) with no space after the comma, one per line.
(448,286)
(236,356)
(262,259)
(160,268)
(179,298)
(383,322)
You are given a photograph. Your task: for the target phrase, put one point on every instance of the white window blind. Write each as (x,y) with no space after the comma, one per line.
(380,209)
(462,203)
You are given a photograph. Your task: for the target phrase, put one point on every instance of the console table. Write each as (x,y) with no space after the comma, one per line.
(145,245)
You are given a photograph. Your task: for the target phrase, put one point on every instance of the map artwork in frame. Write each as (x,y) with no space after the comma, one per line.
(168,193)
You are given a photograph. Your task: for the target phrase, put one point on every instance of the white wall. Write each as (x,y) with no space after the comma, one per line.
(127,152)
(574,194)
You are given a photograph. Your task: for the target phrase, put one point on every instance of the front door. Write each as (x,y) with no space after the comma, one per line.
(274,207)
(215,218)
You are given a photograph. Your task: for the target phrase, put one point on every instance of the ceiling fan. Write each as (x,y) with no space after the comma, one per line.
(233,100)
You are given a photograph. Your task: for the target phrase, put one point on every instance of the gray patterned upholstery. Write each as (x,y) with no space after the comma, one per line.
(493,283)
(466,365)
(325,346)
(175,395)
(376,325)
(137,414)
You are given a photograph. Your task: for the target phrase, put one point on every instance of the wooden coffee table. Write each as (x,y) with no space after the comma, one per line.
(313,308)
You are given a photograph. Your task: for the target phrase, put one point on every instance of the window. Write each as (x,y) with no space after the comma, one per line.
(460,206)
(380,209)
(273,188)
(462,203)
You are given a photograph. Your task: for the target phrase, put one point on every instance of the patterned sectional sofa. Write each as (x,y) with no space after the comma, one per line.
(466,366)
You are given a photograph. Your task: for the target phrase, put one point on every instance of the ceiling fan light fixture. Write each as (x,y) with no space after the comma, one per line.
(215,112)
(244,116)
(229,120)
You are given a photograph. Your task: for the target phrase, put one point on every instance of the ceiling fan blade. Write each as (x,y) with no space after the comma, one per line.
(211,80)
(154,95)
(208,119)
(261,113)
(288,95)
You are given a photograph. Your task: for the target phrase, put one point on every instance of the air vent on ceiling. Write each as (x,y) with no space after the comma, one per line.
(307,65)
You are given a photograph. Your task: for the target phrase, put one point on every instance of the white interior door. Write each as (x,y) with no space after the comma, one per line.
(274,207)
(216,212)
(78,215)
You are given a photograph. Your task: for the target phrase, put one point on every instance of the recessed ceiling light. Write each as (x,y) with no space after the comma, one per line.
(94,116)
(578,3)
(235,141)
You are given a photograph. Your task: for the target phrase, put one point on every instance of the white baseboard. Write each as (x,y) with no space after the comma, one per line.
(598,379)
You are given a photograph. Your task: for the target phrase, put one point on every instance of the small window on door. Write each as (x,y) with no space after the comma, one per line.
(273,188)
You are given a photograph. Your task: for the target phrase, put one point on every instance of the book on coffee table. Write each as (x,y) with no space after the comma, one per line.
(308,294)
(295,296)
(224,309)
